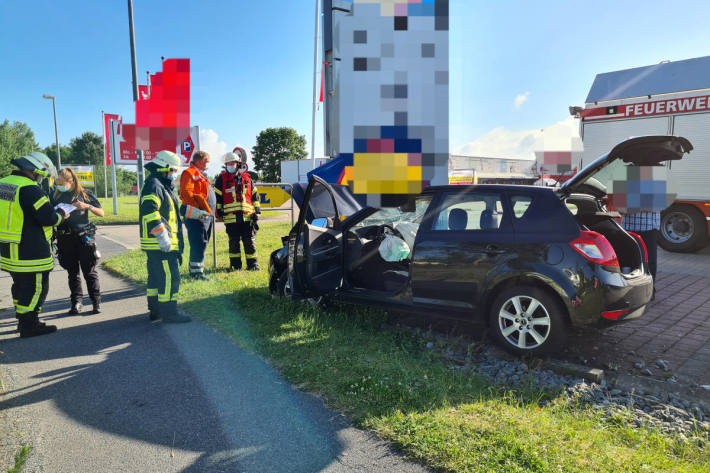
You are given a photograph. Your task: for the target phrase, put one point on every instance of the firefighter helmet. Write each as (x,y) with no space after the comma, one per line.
(37,162)
(230,158)
(165,161)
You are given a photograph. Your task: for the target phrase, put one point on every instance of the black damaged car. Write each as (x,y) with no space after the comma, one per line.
(530,260)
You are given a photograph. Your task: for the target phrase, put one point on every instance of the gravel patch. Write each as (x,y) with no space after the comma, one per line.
(668,413)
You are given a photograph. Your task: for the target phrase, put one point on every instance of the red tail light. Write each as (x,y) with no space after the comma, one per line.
(596,248)
(614,314)
(643,244)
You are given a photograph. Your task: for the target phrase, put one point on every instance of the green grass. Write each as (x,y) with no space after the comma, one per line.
(128,211)
(20,459)
(386,381)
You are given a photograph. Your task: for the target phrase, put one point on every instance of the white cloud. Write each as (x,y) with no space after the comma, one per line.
(210,142)
(503,143)
(520,99)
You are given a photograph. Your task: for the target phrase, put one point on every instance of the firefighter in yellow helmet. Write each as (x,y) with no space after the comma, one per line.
(238,205)
(26,221)
(161,237)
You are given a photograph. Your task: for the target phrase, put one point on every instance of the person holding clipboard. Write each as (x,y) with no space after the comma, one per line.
(76,243)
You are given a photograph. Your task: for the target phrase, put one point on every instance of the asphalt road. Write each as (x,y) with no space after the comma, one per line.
(114,392)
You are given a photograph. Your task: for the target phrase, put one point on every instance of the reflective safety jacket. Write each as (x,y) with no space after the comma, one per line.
(194,189)
(26,221)
(159,209)
(236,195)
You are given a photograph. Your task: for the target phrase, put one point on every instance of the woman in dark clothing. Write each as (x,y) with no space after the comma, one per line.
(75,239)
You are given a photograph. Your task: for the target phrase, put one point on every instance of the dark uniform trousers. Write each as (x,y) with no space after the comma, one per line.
(29,291)
(73,256)
(198,234)
(241,231)
(163,282)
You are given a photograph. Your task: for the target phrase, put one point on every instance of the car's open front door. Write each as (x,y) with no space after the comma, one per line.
(315,248)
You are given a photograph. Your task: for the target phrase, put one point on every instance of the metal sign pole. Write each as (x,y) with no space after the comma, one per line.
(103,132)
(115,150)
(214,241)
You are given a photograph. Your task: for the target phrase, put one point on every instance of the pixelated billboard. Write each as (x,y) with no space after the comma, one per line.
(387,95)
(162,117)
(558,165)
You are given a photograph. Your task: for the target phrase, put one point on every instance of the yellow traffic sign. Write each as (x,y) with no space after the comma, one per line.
(272,196)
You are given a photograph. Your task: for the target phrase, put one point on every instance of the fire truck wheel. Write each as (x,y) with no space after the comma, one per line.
(684,229)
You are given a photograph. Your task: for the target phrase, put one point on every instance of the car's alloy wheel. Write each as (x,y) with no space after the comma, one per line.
(524,322)
(528,320)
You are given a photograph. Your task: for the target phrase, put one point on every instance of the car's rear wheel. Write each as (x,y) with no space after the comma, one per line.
(683,229)
(526,320)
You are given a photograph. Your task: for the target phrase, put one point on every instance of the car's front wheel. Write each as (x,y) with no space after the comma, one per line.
(526,320)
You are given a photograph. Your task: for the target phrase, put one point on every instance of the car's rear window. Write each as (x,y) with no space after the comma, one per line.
(521,205)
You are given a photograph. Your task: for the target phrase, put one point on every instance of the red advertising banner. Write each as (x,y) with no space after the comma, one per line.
(162,117)
(107,147)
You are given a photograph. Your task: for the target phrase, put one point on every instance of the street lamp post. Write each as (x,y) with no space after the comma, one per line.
(56,133)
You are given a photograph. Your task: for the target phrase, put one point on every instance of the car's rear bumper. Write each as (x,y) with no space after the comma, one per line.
(612,298)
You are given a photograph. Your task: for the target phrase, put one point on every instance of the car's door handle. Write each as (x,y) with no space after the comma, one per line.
(494,250)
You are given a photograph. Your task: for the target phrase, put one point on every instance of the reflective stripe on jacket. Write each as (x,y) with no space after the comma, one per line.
(236,194)
(158,209)
(26,221)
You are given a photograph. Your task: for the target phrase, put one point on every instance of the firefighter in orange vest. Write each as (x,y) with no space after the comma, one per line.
(198,204)
(238,205)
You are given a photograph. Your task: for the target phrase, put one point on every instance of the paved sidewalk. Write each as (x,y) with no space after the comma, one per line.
(675,327)
(113,392)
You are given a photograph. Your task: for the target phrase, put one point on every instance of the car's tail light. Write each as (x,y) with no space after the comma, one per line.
(614,314)
(643,244)
(596,248)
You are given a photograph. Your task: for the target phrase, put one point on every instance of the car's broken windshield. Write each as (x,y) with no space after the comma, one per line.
(395,215)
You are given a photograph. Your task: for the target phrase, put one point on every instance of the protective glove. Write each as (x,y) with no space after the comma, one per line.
(163,237)
(179,258)
(254,226)
(196,214)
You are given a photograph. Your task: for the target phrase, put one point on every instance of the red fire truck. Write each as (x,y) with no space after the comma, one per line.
(670,98)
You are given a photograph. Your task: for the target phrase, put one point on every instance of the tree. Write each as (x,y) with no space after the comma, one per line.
(16,139)
(51,152)
(87,149)
(274,145)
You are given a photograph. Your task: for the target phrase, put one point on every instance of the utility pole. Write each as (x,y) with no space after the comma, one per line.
(315,89)
(56,133)
(139,153)
(103,132)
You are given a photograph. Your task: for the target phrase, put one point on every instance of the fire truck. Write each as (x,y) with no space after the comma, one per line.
(670,98)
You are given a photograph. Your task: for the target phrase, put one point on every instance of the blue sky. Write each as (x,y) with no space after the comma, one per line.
(252,61)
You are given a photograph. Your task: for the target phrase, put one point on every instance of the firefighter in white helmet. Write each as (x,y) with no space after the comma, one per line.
(238,205)
(27,218)
(161,237)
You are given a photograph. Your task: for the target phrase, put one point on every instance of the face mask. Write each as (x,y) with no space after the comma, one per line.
(231,169)
(172,177)
(62,188)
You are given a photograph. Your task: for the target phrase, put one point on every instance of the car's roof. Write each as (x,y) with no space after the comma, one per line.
(488,187)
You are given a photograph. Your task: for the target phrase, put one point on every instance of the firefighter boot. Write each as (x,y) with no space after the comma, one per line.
(171,315)
(252,265)
(30,326)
